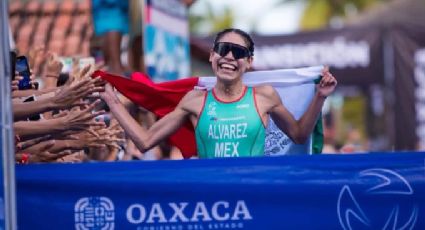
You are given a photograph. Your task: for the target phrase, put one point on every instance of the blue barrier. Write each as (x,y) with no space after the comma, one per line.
(367,191)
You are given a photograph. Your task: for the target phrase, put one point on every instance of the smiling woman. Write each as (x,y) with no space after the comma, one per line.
(229,119)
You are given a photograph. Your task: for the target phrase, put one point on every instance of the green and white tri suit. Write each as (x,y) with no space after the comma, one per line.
(230,129)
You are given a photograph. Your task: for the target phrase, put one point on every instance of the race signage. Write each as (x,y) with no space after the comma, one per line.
(166,39)
(368,191)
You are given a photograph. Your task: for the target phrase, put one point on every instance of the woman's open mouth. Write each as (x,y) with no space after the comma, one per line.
(227,66)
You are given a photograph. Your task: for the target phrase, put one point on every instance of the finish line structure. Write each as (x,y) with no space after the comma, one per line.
(363,191)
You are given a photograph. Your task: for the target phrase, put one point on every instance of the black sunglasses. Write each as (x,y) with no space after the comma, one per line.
(238,51)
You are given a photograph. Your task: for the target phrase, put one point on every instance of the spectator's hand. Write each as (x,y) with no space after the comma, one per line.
(41,153)
(115,127)
(15,83)
(83,119)
(74,74)
(82,134)
(39,147)
(108,137)
(86,73)
(36,56)
(53,66)
(61,113)
(71,95)
(88,133)
(100,65)
(327,84)
(100,136)
(47,156)
(73,157)
(25,146)
(78,74)
(75,134)
(117,132)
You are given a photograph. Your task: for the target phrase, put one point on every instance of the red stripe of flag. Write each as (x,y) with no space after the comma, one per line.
(159,98)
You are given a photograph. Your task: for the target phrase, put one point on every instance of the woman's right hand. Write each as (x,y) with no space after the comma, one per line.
(109,95)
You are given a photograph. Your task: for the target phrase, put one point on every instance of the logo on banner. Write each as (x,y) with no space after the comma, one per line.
(393,187)
(185,215)
(94,213)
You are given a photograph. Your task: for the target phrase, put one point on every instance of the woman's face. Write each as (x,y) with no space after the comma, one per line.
(227,67)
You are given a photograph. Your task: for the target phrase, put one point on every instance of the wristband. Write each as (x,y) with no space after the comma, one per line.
(51,75)
(25,158)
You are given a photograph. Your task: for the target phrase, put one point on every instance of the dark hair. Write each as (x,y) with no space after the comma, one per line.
(243,34)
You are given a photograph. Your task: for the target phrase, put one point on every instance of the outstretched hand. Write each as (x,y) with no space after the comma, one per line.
(43,157)
(53,65)
(109,95)
(26,145)
(327,84)
(82,119)
(40,153)
(36,55)
(72,93)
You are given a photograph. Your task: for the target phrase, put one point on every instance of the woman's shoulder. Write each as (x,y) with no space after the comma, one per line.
(196,93)
(264,90)
(193,101)
(193,96)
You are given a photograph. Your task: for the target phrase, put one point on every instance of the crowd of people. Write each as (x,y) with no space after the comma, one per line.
(61,119)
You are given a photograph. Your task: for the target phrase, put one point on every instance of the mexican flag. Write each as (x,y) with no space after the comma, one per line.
(295,86)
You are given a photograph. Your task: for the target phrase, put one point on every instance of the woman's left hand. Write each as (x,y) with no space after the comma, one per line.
(327,84)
